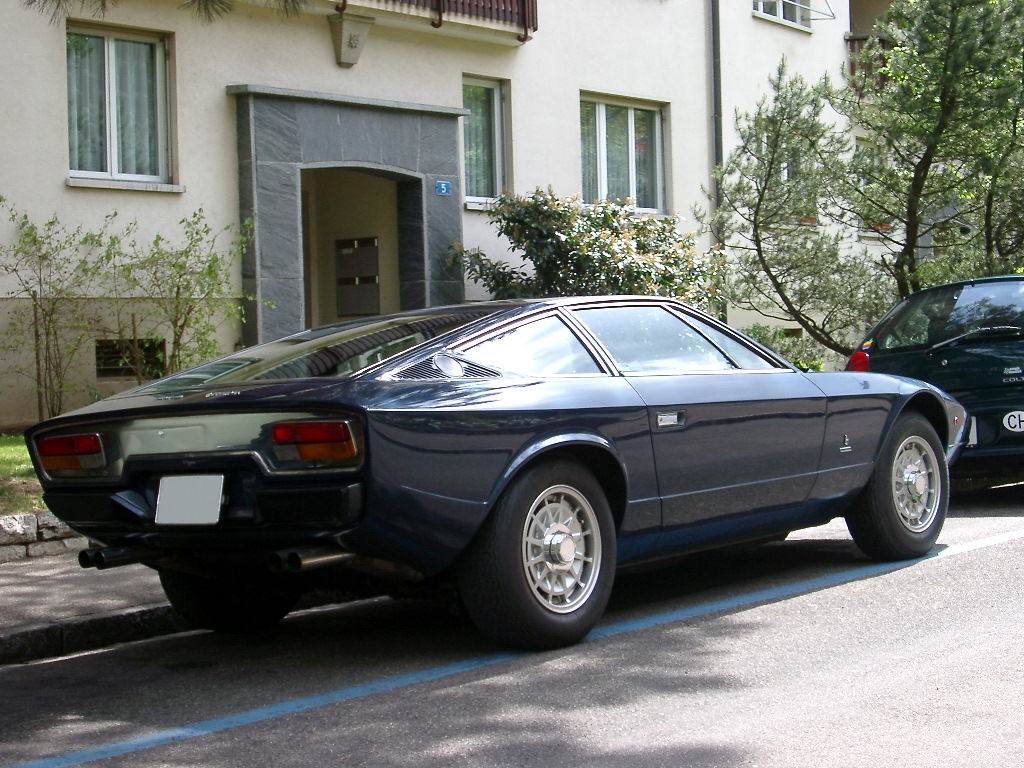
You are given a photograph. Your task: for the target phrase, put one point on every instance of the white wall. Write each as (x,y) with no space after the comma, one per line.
(655,50)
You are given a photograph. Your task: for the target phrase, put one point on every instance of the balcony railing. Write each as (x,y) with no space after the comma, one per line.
(856,44)
(521,13)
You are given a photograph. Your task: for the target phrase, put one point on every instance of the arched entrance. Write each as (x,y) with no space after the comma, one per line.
(387,168)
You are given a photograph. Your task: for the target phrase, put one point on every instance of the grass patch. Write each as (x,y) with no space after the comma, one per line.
(19,489)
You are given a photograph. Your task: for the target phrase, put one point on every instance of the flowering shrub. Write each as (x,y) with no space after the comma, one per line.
(601,249)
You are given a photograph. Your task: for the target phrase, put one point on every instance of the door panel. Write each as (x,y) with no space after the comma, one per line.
(741,441)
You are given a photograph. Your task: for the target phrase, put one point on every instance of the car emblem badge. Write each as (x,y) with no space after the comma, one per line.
(208,395)
(1011,371)
(845,447)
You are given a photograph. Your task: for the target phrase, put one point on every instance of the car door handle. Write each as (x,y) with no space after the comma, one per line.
(671,419)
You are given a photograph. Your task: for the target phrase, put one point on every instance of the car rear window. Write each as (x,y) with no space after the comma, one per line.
(938,315)
(545,347)
(338,351)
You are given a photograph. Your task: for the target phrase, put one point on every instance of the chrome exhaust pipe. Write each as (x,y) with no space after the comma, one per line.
(297,560)
(114,557)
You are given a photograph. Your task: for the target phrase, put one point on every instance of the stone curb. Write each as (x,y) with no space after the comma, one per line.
(43,641)
(40,641)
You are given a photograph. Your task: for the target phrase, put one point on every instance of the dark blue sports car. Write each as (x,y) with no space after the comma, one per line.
(520,452)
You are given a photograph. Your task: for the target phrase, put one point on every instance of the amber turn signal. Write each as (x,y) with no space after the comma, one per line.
(71,453)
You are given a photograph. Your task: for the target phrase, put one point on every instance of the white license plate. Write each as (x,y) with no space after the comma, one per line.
(189,500)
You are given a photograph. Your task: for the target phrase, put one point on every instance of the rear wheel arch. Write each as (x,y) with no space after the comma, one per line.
(595,455)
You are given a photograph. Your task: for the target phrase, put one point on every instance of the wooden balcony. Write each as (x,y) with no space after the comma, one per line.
(855,45)
(500,21)
(522,13)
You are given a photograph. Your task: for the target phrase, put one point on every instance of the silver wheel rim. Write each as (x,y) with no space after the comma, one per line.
(916,485)
(561,549)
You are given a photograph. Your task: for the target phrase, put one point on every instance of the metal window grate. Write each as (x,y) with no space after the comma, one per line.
(124,358)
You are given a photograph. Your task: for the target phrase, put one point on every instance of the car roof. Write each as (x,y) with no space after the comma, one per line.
(972,281)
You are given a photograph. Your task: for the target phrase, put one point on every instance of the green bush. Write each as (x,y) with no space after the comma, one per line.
(601,249)
(802,352)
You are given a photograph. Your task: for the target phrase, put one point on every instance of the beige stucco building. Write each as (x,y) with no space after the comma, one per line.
(363,138)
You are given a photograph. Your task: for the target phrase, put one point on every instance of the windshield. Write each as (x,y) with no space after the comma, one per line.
(935,316)
(337,351)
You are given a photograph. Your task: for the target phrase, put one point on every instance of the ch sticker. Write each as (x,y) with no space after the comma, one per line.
(1014,421)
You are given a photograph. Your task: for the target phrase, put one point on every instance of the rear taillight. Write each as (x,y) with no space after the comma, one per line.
(859,361)
(71,453)
(319,441)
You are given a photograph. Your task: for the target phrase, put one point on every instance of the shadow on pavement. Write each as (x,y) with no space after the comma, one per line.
(1006,501)
(544,709)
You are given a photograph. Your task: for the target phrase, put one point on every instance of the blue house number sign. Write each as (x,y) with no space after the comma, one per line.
(443,188)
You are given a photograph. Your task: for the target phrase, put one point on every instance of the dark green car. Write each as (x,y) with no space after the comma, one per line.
(968,339)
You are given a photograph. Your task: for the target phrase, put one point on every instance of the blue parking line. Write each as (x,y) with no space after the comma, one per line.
(388,684)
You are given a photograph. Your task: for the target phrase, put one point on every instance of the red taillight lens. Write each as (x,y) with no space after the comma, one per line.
(859,361)
(74,453)
(314,441)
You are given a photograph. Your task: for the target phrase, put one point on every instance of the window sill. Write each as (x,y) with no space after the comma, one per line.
(132,186)
(783,22)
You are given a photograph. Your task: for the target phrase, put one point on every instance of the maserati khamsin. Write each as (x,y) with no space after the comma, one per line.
(515,454)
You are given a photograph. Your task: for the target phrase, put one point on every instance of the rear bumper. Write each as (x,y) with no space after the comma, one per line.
(257,520)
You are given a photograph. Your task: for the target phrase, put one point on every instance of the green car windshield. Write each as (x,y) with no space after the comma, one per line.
(942,314)
(337,351)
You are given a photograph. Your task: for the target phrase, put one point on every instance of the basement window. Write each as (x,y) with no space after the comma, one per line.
(130,358)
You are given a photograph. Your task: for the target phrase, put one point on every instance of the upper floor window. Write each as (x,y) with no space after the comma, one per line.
(621,151)
(482,139)
(117,105)
(798,13)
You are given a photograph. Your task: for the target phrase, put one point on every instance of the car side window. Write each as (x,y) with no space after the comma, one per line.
(650,339)
(741,354)
(542,348)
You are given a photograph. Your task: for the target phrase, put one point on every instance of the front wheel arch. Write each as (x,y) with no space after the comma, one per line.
(930,407)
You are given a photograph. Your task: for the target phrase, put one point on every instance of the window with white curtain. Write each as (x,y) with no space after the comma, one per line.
(621,153)
(117,105)
(483,145)
(798,13)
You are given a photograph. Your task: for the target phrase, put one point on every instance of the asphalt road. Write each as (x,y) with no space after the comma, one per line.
(800,653)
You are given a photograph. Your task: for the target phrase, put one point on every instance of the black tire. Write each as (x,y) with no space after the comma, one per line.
(226,604)
(492,576)
(876,523)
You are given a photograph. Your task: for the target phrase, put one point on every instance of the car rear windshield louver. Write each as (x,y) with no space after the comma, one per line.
(425,369)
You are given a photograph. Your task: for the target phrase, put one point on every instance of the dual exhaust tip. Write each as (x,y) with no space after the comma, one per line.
(113,557)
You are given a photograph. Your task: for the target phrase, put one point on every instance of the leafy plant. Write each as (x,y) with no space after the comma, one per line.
(207,10)
(773,202)
(799,350)
(937,96)
(48,266)
(182,292)
(602,249)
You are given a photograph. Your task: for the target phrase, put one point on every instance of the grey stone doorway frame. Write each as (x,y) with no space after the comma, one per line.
(282,132)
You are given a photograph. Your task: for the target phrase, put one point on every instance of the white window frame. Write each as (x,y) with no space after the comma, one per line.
(804,11)
(602,149)
(497,103)
(112,173)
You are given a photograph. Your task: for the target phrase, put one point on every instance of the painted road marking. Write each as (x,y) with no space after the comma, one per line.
(387,684)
